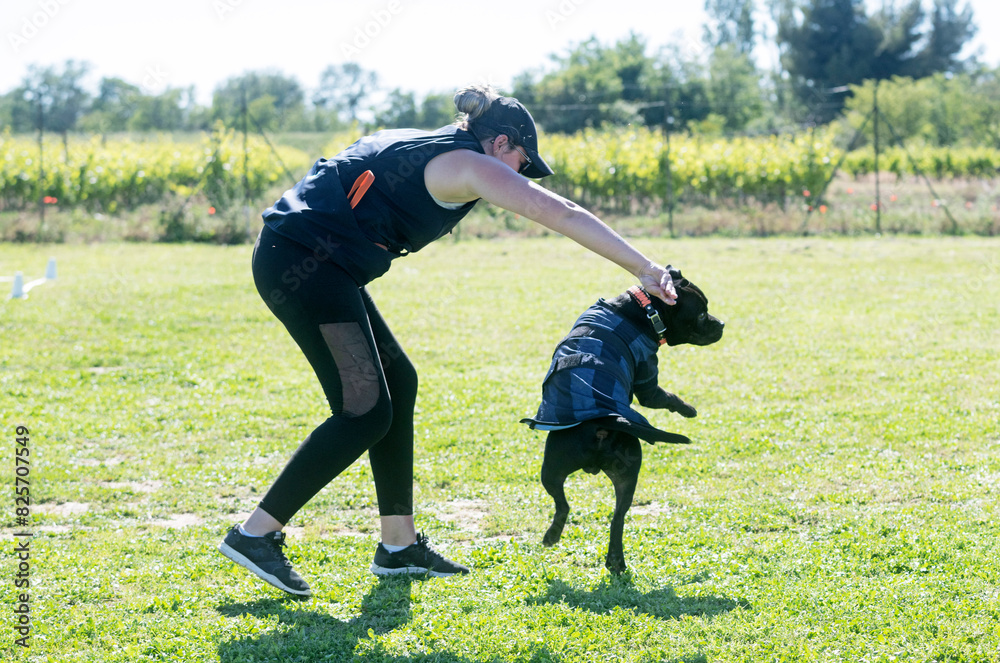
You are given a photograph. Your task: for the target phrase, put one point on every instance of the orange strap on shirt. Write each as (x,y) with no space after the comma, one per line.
(360,187)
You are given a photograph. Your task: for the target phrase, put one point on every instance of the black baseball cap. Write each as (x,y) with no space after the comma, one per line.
(508,116)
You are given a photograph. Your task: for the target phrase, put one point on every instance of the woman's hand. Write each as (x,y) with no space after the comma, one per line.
(657,282)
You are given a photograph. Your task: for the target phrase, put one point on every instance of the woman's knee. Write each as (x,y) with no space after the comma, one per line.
(403,380)
(396,364)
(377,420)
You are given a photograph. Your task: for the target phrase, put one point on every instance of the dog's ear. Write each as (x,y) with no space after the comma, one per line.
(678,278)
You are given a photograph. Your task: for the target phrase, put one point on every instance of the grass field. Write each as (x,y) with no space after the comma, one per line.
(839,502)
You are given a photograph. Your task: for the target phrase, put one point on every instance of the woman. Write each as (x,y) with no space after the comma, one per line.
(387,195)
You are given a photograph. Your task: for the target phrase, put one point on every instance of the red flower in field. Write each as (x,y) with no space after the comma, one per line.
(850,191)
(211,210)
(806,193)
(822,209)
(892,198)
(50,200)
(968,204)
(874,206)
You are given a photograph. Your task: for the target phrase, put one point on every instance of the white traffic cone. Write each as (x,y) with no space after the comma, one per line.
(18,291)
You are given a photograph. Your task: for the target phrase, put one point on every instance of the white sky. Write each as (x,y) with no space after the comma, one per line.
(419,45)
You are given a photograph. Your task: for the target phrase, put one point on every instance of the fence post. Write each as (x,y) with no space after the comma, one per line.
(878,193)
(246,164)
(670,178)
(41,163)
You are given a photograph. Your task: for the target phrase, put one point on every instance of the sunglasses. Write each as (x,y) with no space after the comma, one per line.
(527,160)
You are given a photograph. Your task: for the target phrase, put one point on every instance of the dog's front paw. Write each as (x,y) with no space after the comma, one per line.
(662,399)
(675,404)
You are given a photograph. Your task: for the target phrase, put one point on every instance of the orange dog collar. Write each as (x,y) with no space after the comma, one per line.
(646,303)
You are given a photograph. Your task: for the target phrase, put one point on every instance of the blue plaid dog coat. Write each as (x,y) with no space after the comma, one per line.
(594,374)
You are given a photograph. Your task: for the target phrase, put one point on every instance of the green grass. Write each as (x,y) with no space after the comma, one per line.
(839,502)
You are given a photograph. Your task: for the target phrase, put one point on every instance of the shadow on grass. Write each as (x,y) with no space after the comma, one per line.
(621,592)
(308,635)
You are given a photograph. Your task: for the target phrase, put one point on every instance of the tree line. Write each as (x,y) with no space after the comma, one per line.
(827,50)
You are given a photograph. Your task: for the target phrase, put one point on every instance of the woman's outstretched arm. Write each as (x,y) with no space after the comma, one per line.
(466,175)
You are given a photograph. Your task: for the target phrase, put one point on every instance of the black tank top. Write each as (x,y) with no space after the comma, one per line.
(397,211)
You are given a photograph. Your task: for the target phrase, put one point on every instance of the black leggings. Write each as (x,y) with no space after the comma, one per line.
(368,380)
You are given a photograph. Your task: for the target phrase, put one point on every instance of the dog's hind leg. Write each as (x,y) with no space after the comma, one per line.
(562,458)
(621,463)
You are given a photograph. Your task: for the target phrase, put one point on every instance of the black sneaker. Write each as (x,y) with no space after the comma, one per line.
(417,559)
(262,555)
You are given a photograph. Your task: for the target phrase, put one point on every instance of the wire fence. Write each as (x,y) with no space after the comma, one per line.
(807,182)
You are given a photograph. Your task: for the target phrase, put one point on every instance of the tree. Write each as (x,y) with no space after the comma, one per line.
(161,112)
(587,85)
(734,89)
(115,104)
(436,110)
(264,113)
(732,25)
(50,99)
(622,84)
(942,109)
(631,64)
(6,109)
(899,30)
(229,98)
(344,88)
(400,110)
(570,98)
(830,44)
(662,90)
(987,108)
(950,30)
(676,89)
(403,110)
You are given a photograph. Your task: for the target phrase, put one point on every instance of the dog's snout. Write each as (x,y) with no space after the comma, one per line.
(720,327)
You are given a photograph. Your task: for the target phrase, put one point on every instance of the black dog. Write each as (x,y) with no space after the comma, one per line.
(609,356)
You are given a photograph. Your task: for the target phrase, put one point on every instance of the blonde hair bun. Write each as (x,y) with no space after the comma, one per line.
(474,100)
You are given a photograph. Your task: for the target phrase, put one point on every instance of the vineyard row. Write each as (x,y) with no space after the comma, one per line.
(608,168)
